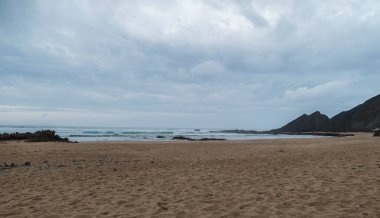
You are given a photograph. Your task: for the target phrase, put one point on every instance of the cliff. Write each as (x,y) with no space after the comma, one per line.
(362,118)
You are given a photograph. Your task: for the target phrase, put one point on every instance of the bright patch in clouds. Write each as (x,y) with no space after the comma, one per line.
(323,90)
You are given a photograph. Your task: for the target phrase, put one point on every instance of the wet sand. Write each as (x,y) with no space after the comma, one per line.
(325,177)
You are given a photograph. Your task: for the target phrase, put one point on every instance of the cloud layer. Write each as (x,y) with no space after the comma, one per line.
(227,64)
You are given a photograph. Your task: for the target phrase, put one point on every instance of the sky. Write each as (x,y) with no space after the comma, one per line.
(187,64)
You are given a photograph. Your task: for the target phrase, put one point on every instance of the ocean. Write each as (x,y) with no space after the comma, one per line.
(88,134)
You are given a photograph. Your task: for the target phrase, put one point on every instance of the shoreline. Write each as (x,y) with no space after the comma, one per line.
(149,134)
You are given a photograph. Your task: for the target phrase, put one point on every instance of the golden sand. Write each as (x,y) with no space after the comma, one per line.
(325,177)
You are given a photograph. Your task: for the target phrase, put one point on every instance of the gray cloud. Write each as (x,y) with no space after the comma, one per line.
(243,64)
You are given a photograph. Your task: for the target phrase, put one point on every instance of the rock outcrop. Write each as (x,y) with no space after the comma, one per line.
(180,137)
(315,122)
(363,118)
(38,136)
(376,132)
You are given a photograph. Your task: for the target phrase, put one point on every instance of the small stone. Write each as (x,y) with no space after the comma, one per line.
(208,194)
(163,205)
(27,163)
(376,133)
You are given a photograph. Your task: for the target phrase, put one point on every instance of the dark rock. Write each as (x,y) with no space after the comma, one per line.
(13,165)
(38,136)
(160,137)
(27,163)
(363,118)
(376,132)
(307,123)
(197,130)
(180,137)
(240,131)
(163,205)
(211,139)
(45,161)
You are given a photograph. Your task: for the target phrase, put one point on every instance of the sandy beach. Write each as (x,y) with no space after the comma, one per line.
(324,177)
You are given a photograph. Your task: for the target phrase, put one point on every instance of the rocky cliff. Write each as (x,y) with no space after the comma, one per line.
(308,123)
(364,117)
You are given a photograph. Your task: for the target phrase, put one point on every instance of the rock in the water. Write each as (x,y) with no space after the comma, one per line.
(212,139)
(27,163)
(181,137)
(160,137)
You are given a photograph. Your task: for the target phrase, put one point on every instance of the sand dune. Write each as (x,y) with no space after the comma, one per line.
(329,177)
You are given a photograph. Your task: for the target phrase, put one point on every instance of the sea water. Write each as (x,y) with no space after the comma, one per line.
(83,134)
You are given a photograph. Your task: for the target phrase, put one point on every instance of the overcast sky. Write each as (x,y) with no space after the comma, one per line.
(198,64)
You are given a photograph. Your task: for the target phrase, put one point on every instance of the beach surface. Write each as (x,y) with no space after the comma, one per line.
(322,177)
